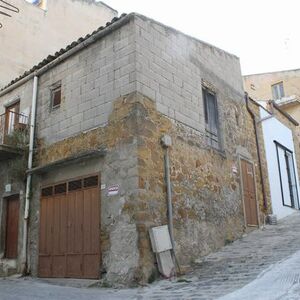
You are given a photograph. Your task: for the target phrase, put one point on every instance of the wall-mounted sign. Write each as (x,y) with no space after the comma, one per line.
(8,188)
(113,190)
(234,169)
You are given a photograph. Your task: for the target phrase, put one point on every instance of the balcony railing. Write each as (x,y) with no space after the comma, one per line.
(14,129)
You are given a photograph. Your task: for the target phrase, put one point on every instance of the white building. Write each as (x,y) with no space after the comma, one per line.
(281,164)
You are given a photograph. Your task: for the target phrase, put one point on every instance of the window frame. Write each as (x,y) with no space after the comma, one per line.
(277,88)
(209,134)
(289,173)
(54,89)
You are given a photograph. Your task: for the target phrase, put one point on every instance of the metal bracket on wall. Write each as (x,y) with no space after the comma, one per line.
(6,8)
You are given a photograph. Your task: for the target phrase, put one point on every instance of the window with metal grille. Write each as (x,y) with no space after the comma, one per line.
(60,188)
(75,185)
(56,96)
(90,181)
(277,90)
(47,191)
(211,118)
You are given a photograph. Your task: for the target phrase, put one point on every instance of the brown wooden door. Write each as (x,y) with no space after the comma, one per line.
(70,231)
(249,193)
(12,227)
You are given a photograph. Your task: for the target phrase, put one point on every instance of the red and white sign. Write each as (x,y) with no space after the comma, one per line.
(113,190)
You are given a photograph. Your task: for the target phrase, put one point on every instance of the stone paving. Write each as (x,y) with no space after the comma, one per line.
(235,265)
(217,275)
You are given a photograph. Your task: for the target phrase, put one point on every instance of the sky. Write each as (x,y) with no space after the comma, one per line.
(264,34)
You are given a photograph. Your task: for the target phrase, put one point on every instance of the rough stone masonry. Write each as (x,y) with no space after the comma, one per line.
(139,81)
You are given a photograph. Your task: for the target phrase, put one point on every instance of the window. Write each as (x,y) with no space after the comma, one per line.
(211,118)
(12,117)
(277,90)
(287,176)
(56,96)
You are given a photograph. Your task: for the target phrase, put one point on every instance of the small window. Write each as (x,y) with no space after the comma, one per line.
(90,181)
(75,185)
(48,191)
(60,188)
(56,96)
(277,90)
(211,118)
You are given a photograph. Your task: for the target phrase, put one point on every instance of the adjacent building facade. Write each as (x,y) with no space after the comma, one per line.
(32,33)
(283,87)
(280,157)
(98,173)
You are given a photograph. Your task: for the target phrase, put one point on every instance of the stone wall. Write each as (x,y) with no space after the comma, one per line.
(171,66)
(207,200)
(10,174)
(91,80)
(255,109)
(120,255)
(123,93)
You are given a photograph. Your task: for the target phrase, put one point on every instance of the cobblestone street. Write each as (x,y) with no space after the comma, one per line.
(258,266)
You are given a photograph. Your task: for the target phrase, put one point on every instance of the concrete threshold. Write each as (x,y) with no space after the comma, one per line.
(69,282)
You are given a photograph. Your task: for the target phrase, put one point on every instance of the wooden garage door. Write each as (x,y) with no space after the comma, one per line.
(249,193)
(70,229)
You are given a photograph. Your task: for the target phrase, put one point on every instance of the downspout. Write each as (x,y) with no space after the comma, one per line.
(29,175)
(166,142)
(265,203)
(169,196)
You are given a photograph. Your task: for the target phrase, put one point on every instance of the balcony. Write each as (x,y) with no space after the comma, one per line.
(14,134)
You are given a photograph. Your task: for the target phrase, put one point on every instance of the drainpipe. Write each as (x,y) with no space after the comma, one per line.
(166,143)
(29,176)
(265,203)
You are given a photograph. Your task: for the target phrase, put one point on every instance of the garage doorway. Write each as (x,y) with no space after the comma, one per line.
(249,193)
(69,244)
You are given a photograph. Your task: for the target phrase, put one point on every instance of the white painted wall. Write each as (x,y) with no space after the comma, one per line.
(273,130)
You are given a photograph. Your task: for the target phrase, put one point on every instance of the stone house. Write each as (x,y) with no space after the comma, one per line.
(99,109)
(283,87)
(31,33)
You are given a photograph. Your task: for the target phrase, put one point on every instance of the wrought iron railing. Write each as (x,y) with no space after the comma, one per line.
(14,129)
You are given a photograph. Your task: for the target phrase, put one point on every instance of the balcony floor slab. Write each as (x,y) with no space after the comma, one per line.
(8,152)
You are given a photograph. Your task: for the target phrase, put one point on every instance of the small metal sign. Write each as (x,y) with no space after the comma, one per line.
(8,188)
(113,190)
(234,169)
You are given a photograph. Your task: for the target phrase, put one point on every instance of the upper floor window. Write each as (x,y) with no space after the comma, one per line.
(56,95)
(277,90)
(211,118)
